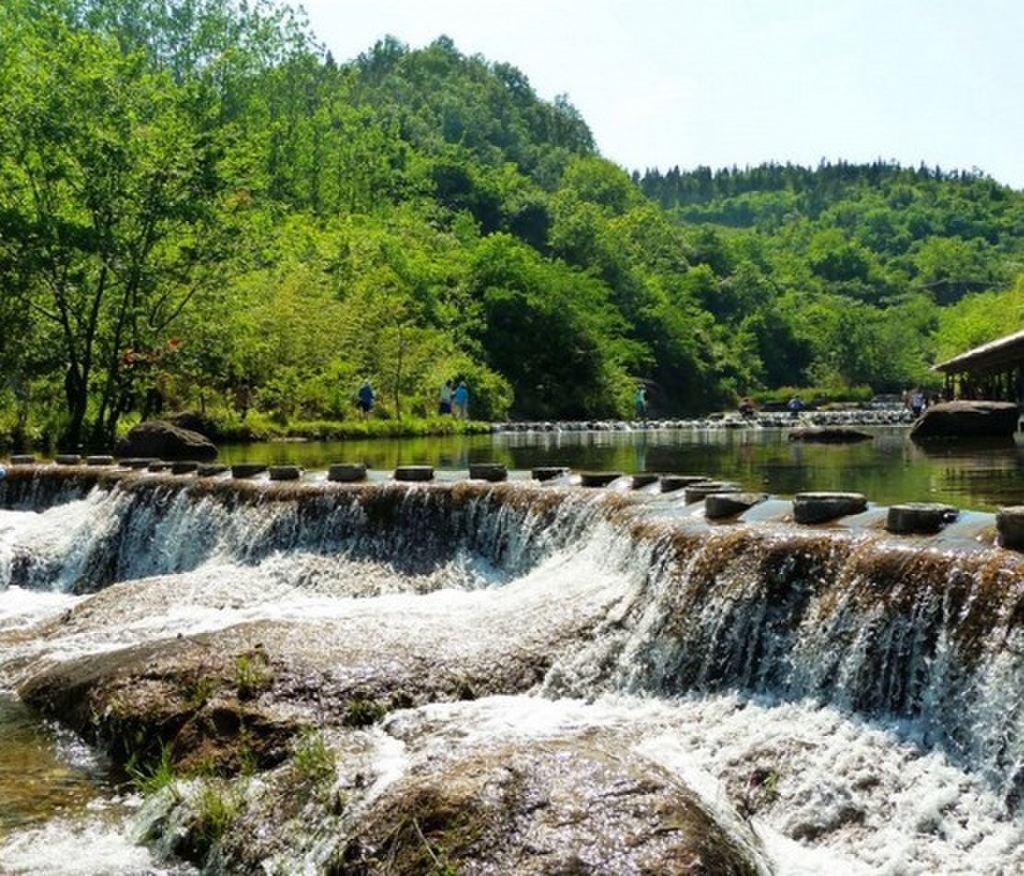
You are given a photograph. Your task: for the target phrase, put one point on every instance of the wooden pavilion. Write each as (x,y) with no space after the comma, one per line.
(993,371)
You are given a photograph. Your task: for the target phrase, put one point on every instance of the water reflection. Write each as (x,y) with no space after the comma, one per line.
(888,469)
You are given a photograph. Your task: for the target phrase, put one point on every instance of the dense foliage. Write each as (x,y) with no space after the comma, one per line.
(200,207)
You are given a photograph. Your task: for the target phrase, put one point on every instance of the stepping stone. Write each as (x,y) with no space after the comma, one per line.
(644,479)
(719,505)
(159,466)
(67,459)
(99,460)
(919,517)
(548,472)
(823,507)
(488,471)
(672,482)
(139,463)
(285,472)
(598,478)
(23,459)
(210,469)
(347,472)
(247,469)
(1010,523)
(698,491)
(184,467)
(414,473)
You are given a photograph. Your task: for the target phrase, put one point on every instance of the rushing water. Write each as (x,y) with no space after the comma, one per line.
(888,469)
(879,682)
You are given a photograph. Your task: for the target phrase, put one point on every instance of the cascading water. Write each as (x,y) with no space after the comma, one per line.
(859,698)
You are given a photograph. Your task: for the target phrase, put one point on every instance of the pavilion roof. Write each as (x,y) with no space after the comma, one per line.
(1000,354)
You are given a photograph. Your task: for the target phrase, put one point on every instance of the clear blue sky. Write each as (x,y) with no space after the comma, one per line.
(721,82)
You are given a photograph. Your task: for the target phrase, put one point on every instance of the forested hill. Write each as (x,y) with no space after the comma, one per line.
(200,206)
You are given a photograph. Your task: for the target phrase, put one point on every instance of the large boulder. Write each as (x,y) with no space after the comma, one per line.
(195,421)
(163,440)
(967,419)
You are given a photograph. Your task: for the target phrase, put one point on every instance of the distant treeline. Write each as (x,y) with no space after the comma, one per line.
(200,207)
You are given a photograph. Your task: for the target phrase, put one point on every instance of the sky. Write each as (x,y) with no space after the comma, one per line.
(723,82)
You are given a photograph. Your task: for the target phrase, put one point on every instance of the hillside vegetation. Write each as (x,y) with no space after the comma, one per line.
(199,207)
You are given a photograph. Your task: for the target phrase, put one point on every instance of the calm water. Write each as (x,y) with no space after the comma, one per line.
(888,469)
(43,770)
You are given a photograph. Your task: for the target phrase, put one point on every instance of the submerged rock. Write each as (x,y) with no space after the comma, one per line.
(162,440)
(830,435)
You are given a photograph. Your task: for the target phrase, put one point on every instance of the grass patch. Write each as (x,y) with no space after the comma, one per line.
(362,712)
(314,760)
(252,673)
(217,808)
(148,779)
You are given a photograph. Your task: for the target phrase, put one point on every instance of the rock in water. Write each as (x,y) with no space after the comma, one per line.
(163,440)
(967,419)
(830,435)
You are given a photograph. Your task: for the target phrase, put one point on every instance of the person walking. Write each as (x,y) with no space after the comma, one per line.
(444,400)
(640,402)
(460,401)
(365,398)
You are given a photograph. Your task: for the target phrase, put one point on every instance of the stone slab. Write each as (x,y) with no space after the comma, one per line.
(810,508)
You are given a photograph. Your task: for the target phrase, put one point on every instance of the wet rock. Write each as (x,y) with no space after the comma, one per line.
(919,517)
(548,472)
(813,508)
(488,471)
(184,467)
(349,472)
(698,491)
(159,466)
(285,472)
(211,469)
(163,440)
(967,419)
(598,478)
(564,806)
(244,470)
(414,473)
(99,460)
(67,459)
(830,435)
(719,505)
(1010,524)
(22,459)
(672,482)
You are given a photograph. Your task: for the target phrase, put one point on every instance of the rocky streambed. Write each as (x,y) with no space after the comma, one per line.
(512,679)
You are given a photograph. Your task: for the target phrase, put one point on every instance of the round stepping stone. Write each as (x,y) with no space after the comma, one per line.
(699,491)
(548,472)
(1010,523)
(488,471)
(919,517)
(139,463)
(719,505)
(67,459)
(23,459)
(414,473)
(184,467)
(598,478)
(644,479)
(210,469)
(347,472)
(823,507)
(672,482)
(247,469)
(99,460)
(285,472)
(159,466)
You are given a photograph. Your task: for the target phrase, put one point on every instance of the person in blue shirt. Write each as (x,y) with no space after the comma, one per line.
(460,401)
(3,472)
(365,398)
